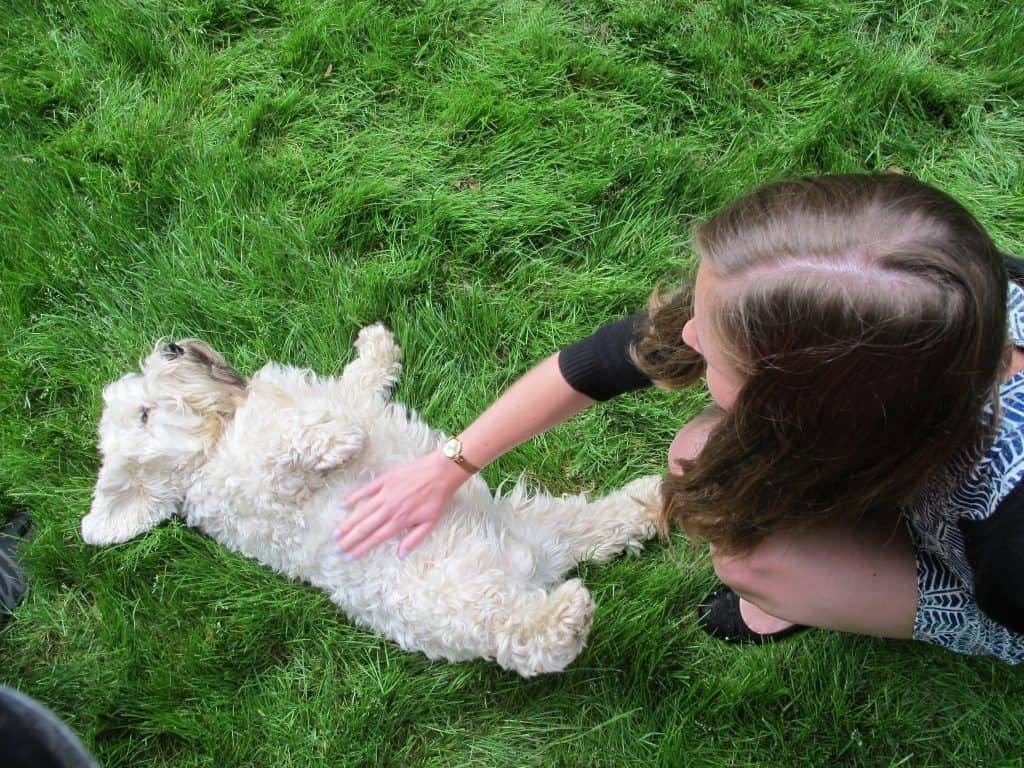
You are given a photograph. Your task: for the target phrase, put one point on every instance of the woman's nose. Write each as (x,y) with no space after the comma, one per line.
(690,336)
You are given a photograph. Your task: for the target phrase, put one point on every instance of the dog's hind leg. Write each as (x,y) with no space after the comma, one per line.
(377,364)
(529,631)
(565,530)
(536,632)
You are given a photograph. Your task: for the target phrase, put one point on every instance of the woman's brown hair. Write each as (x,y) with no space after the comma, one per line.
(869,313)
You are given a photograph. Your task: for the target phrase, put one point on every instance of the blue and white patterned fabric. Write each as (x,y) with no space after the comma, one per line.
(947,614)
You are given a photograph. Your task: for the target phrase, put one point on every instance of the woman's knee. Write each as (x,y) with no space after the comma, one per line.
(745,573)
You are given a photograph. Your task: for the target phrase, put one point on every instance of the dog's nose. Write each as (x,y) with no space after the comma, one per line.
(172,351)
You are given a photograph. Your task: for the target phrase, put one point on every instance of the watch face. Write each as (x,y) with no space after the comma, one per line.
(451,448)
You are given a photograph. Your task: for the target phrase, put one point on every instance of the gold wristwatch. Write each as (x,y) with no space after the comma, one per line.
(453,450)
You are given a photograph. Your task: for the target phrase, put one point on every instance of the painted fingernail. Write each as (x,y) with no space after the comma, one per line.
(342,504)
(403,553)
(336,535)
(337,550)
(347,557)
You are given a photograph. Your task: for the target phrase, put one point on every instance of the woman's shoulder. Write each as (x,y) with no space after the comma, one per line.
(1001,466)
(1000,469)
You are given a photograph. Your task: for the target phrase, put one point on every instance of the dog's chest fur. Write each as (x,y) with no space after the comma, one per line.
(257,495)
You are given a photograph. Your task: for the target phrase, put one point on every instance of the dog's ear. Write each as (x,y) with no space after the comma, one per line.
(125,506)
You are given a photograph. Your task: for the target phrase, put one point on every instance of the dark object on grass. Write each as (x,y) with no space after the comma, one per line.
(31,736)
(12,579)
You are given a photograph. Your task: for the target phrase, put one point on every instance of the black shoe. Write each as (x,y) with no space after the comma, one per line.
(719,616)
(12,578)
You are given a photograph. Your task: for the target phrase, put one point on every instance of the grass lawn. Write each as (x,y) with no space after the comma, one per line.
(493,179)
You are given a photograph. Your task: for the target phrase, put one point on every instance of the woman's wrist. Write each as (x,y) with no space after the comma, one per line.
(452,450)
(448,470)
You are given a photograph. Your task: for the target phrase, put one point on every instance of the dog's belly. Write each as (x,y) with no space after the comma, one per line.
(469,537)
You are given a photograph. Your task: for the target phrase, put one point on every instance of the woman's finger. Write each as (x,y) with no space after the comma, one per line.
(357,514)
(414,538)
(365,523)
(371,488)
(378,537)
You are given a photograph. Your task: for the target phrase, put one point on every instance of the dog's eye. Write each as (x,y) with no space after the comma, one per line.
(173,352)
(144,416)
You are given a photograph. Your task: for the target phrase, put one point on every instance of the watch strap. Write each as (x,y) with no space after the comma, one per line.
(467,465)
(454,454)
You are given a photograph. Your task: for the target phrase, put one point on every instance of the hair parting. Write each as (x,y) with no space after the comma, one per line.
(871,313)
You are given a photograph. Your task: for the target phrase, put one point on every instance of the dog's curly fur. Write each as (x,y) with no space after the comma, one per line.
(261,466)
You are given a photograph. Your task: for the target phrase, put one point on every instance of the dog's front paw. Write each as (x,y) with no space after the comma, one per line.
(338,448)
(376,366)
(377,343)
(321,448)
(378,363)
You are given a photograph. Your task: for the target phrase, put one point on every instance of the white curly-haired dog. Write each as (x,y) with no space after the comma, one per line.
(261,467)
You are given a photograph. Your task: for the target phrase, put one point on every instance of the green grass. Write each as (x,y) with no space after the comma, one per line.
(493,180)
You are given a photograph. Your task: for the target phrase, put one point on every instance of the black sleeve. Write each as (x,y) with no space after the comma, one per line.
(1014,268)
(599,366)
(995,552)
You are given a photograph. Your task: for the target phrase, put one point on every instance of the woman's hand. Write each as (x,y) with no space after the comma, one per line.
(408,499)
